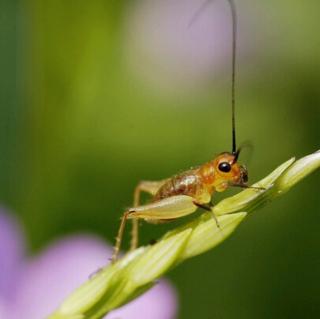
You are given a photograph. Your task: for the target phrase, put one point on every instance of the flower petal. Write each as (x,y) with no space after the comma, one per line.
(49,278)
(3,310)
(11,252)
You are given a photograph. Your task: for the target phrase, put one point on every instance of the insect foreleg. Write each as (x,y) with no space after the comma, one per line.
(150,187)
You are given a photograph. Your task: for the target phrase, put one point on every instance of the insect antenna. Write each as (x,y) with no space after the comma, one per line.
(233,80)
(234,55)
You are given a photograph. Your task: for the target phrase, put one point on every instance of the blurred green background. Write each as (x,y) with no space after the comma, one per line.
(80,126)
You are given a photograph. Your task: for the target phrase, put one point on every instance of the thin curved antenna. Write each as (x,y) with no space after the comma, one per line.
(197,14)
(246,144)
(234,55)
(233,85)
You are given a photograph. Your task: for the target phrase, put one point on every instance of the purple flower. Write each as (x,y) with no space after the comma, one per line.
(32,288)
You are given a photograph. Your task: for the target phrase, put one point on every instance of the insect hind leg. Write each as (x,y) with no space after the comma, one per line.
(119,237)
(150,187)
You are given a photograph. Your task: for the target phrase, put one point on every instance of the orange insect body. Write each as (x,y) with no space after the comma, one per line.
(201,182)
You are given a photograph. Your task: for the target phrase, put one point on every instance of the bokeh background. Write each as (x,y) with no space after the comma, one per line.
(97,95)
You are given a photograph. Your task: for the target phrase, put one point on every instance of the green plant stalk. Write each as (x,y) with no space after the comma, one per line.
(137,271)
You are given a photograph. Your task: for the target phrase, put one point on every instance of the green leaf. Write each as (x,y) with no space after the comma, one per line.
(298,171)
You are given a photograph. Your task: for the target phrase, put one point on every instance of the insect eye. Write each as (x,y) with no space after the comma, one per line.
(224,167)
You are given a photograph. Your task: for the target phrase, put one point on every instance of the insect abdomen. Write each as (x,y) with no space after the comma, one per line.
(187,183)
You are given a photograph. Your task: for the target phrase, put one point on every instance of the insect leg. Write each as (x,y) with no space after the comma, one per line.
(119,237)
(208,207)
(150,187)
(165,209)
(247,186)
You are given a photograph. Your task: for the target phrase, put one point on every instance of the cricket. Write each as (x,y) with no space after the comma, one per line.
(182,194)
